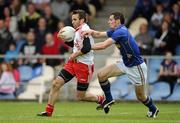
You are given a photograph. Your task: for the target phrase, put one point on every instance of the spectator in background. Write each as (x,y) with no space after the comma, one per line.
(176,26)
(144,40)
(2,6)
(163,40)
(51,19)
(29,48)
(40,32)
(7,82)
(157,17)
(167,4)
(29,20)
(176,12)
(5,37)
(40,4)
(17,8)
(11,23)
(81,4)
(50,48)
(97,4)
(16,75)
(11,53)
(173,25)
(143,8)
(168,72)
(63,48)
(7,17)
(60,9)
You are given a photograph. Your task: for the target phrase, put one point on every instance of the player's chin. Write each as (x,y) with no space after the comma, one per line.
(75,26)
(112,27)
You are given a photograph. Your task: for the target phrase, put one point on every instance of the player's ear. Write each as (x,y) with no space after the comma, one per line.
(82,21)
(118,21)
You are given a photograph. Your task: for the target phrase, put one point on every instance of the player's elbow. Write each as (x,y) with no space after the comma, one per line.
(86,49)
(86,46)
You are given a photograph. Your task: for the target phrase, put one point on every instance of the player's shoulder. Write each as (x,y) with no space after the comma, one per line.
(121,31)
(118,31)
(85,27)
(174,62)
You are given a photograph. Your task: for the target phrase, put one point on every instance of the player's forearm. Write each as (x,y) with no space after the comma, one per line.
(75,55)
(98,34)
(102,45)
(98,46)
(78,53)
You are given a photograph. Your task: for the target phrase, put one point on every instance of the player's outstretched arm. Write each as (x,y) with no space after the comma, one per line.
(102,45)
(94,33)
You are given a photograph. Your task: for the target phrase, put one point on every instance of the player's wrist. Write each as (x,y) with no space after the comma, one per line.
(92,32)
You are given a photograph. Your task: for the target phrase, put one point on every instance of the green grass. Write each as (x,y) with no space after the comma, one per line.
(83,112)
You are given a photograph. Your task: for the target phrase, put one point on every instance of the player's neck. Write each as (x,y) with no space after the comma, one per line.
(79,27)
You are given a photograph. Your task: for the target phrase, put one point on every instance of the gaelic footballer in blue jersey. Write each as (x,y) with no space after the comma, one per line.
(131,63)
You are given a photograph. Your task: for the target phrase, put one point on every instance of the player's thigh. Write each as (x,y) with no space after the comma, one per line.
(65,75)
(83,72)
(137,74)
(110,71)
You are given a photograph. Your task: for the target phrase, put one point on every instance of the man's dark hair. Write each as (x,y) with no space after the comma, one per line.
(118,15)
(81,13)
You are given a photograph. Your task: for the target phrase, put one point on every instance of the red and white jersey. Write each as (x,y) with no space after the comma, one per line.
(87,58)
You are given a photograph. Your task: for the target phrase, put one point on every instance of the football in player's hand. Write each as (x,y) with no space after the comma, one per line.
(67,33)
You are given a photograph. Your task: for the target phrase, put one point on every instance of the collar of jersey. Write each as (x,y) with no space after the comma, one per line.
(79,27)
(119,26)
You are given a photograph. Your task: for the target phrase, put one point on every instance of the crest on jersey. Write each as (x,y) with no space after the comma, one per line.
(129,56)
(118,46)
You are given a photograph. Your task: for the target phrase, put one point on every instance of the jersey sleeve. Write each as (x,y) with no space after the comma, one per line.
(175,63)
(109,32)
(116,36)
(162,63)
(85,27)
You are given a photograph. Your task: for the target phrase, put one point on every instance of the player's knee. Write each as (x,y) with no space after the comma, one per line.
(57,83)
(101,76)
(141,97)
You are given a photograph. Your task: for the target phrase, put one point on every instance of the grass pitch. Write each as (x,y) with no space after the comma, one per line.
(84,112)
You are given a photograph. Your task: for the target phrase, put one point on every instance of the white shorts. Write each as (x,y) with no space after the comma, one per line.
(136,74)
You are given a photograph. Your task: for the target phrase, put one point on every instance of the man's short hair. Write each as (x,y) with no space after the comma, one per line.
(81,13)
(118,15)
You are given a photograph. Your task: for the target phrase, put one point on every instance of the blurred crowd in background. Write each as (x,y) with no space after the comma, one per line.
(30,27)
(161,31)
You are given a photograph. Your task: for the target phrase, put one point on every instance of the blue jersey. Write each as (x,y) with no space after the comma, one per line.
(127,46)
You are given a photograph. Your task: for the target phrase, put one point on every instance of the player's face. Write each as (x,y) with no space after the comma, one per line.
(112,22)
(76,22)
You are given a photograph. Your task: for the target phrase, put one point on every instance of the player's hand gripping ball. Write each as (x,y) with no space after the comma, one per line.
(67,34)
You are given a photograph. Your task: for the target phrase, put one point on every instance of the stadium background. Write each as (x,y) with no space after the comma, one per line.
(35,79)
